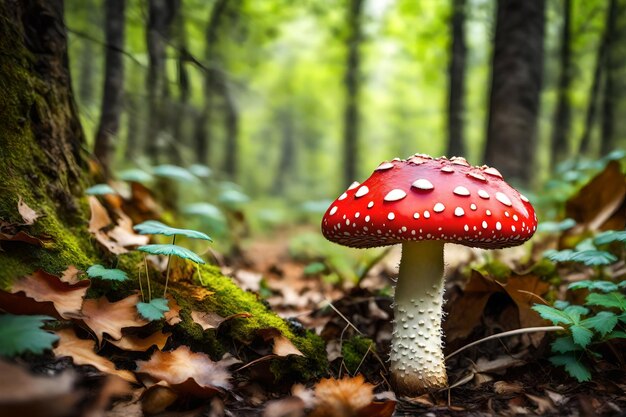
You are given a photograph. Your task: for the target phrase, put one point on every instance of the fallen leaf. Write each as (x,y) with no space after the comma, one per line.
(157,398)
(137,344)
(43,287)
(211,320)
(285,407)
(28,214)
(22,236)
(348,397)
(172,317)
(82,353)
(102,316)
(28,395)
(282,346)
(187,371)
(71,275)
(99,217)
(113,387)
(544,405)
(507,388)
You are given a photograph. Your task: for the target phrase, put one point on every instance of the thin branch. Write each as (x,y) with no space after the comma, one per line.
(87,36)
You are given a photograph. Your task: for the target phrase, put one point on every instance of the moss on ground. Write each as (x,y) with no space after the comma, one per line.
(354,350)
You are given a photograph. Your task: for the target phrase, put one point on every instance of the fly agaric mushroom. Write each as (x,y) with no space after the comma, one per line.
(422,203)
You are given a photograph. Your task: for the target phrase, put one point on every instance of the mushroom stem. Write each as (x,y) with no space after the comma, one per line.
(417,361)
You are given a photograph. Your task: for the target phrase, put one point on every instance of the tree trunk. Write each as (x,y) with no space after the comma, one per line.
(202,137)
(40,139)
(113,83)
(592,102)
(160,14)
(456,83)
(352,82)
(562,115)
(515,88)
(183,85)
(87,57)
(231,127)
(611,93)
(286,163)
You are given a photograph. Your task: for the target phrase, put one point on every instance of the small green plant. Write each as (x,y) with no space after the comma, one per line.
(135,175)
(98,271)
(602,318)
(24,333)
(153,310)
(100,189)
(153,227)
(174,173)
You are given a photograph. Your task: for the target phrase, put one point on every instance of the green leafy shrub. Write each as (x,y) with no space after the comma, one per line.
(24,333)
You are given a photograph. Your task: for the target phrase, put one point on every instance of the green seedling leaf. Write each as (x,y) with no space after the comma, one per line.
(564,344)
(585,245)
(154,310)
(201,171)
(233,198)
(100,189)
(98,271)
(604,286)
(314,268)
(603,322)
(581,335)
(586,257)
(153,227)
(555,227)
(205,210)
(24,333)
(135,175)
(616,334)
(569,316)
(572,365)
(171,250)
(175,173)
(610,300)
(561,304)
(610,236)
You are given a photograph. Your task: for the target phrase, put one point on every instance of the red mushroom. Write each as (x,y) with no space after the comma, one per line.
(422,203)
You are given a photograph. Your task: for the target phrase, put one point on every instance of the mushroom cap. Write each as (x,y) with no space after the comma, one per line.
(423,198)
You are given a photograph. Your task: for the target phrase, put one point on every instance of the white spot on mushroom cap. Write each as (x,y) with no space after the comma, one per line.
(367,218)
(395,195)
(477,176)
(484,224)
(459,212)
(384,166)
(426,214)
(353,185)
(483,194)
(493,171)
(458,160)
(498,226)
(333,210)
(342,196)
(439,208)
(473,207)
(370,204)
(361,191)
(423,184)
(503,199)
(391,216)
(523,198)
(462,191)
(447,170)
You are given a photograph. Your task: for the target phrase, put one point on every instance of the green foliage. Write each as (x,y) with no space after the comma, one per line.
(153,227)
(175,173)
(24,333)
(171,250)
(100,189)
(586,257)
(135,175)
(602,318)
(233,198)
(555,227)
(98,271)
(200,171)
(154,310)
(610,236)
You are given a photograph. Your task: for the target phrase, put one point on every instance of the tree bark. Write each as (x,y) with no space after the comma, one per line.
(202,137)
(515,88)
(41,138)
(592,102)
(231,127)
(113,91)
(183,86)
(352,83)
(611,93)
(286,163)
(456,81)
(562,115)
(160,15)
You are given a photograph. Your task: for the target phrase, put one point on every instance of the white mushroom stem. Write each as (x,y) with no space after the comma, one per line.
(417,361)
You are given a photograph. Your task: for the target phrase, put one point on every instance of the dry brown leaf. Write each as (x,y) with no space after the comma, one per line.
(157,398)
(43,287)
(285,407)
(82,353)
(507,388)
(348,397)
(22,236)
(187,372)
(20,304)
(211,320)
(99,216)
(102,316)
(544,405)
(28,214)
(137,344)
(172,316)
(281,345)
(28,395)
(71,275)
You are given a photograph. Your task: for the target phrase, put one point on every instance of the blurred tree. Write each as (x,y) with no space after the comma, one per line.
(594,93)
(287,162)
(161,13)
(517,66)
(182,58)
(614,83)
(202,135)
(562,116)
(87,57)
(113,89)
(456,80)
(352,83)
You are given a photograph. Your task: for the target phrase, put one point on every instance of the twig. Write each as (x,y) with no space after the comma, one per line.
(505,334)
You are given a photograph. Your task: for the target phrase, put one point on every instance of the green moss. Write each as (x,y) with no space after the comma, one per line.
(354,350)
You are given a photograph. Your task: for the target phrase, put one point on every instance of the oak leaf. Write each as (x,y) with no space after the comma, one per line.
(103,316)
(187,372)
(82,353)
(28,214)
(211,320)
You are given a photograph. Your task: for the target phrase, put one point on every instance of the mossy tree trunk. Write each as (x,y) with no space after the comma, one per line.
(41,140)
